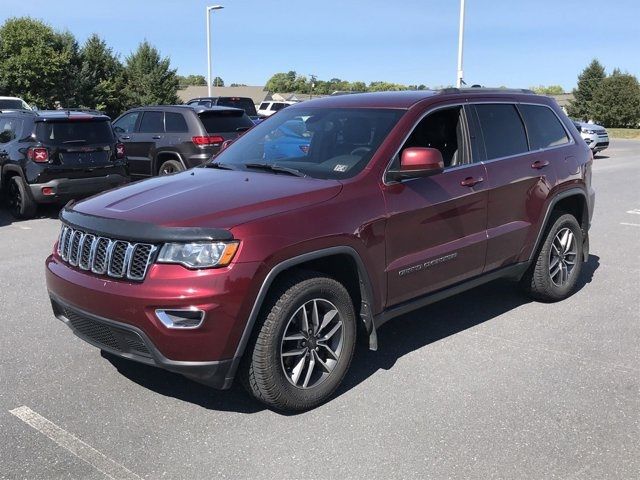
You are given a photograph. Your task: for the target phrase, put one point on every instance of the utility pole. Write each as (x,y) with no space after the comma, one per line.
(208,14)
(460,75)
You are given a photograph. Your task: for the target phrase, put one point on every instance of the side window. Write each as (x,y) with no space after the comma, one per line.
(264,106)
(152,122)
(175,123)
(543,126)
(9,129)
(502,130)
(444,131)
(277,106)
(126,124)
(204,103)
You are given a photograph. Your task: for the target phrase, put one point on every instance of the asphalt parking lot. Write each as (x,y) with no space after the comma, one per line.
(483,385)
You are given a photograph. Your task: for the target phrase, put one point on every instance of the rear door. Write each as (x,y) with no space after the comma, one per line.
(150,132)
(436,226)
(519,181)
(82,143)
(125,129)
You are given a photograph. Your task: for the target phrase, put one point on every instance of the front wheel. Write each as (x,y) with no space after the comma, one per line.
(303,344)
(557,267)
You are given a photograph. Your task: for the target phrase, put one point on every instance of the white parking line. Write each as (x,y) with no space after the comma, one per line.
(635,211)
(630,224)
(74,445)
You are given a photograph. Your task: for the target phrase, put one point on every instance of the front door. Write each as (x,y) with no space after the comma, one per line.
(436,227)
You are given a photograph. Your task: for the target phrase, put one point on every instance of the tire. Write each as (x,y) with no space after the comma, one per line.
(270,376)
(20,201)
(542,281)
(169,167)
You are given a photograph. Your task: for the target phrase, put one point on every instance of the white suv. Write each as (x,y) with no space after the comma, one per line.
(596,136)
(13,103)
(269,108)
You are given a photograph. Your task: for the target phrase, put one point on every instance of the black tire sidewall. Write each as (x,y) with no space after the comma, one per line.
(176,164)
(334,292)
(27,206)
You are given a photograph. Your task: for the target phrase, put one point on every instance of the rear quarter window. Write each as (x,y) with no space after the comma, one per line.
(224,121)
(79,132)
(543,126)
(10,129)
(502,130)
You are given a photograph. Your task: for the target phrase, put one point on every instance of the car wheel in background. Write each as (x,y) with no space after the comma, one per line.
(21,204)
(170,166)
(303,343)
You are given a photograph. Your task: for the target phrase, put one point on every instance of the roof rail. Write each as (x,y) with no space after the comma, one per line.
(486,89)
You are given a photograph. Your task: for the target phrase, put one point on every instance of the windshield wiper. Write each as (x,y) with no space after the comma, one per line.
(275,168)
(221,166)
(74,141)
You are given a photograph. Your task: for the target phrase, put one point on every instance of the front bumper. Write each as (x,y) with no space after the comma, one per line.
(66,188)
(596,141)
(132,343)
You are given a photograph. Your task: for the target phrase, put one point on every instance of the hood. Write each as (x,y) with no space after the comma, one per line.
(210,198)
(591,126)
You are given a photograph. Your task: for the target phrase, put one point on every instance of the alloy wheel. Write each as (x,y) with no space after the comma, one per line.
(312,343)
(562,256)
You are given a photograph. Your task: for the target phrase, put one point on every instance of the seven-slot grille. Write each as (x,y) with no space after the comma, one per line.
(105,256)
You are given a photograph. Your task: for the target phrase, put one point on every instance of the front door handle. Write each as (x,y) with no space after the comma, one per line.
(127,137)
(157,137)
(538,164)
(471,181)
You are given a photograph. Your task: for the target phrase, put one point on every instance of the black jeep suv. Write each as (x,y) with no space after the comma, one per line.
(170,138)
(55,156)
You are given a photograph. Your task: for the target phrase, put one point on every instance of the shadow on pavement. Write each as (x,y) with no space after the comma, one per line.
(44,211)
(397,338)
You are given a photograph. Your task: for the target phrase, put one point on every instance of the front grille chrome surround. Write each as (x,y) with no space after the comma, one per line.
(105,256)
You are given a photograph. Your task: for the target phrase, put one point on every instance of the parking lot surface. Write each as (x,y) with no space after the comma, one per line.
(483,385)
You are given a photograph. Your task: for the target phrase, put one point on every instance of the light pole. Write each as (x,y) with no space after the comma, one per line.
(459,78)
(209,9)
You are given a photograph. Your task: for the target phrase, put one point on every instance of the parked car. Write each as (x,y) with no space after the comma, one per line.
(270,270)
(288,140)
(13,103)
(267,109)
(245,103)
(596,136)
(167,139)
(55,156)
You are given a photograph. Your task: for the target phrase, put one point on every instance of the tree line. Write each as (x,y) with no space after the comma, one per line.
(44,66)
(611,100)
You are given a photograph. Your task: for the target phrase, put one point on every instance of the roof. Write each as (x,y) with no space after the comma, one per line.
(196,108)
(45,115)
(407,98)
(256,93)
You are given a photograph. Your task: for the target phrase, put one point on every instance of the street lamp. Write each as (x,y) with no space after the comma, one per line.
(459,77)
(209,9)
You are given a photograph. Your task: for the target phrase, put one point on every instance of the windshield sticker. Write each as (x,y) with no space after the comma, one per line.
(341,168)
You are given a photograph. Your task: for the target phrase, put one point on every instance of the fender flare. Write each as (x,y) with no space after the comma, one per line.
(366,295)
(10,168)
(554,201)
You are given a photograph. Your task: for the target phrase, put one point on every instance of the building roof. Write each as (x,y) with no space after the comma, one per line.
(257,94)
(563,99)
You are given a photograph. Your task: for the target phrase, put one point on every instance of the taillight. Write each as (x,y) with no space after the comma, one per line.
(120,150)
(38,154)
(214,140)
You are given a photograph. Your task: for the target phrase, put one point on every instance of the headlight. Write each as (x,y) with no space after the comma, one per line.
(590,132)
(198,254)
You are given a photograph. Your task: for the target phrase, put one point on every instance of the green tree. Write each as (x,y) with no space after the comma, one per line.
(218,82)
(150,80)
(588,81)
(37,63)
(198,80)
(101,78)
(616,101)
(548,90)
(385,87)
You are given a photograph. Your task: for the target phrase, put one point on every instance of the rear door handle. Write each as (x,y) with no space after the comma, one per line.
(125,138)
(471,181)
(538,164)
(157,137)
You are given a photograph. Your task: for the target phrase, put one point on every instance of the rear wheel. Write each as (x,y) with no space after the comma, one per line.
(303,345)
(21,204)
(170,166)
(557,267)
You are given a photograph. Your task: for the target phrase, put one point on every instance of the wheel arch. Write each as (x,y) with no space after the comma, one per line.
(342,263)
(573,201)
(164,155)
(9,171)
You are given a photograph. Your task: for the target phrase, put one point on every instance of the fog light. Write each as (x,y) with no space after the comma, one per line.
(181,318)
(48,191)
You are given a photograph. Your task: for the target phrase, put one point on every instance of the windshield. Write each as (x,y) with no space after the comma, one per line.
(238,102)
(81,132)
(325,143)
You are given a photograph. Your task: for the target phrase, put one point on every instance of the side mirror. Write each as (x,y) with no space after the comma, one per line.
(418,162)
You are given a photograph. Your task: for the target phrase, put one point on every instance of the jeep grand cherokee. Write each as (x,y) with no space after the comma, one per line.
(269,269)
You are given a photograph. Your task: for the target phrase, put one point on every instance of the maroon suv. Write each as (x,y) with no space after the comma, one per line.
(270,269)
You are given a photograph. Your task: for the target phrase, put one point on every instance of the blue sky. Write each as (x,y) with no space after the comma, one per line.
(514,43)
